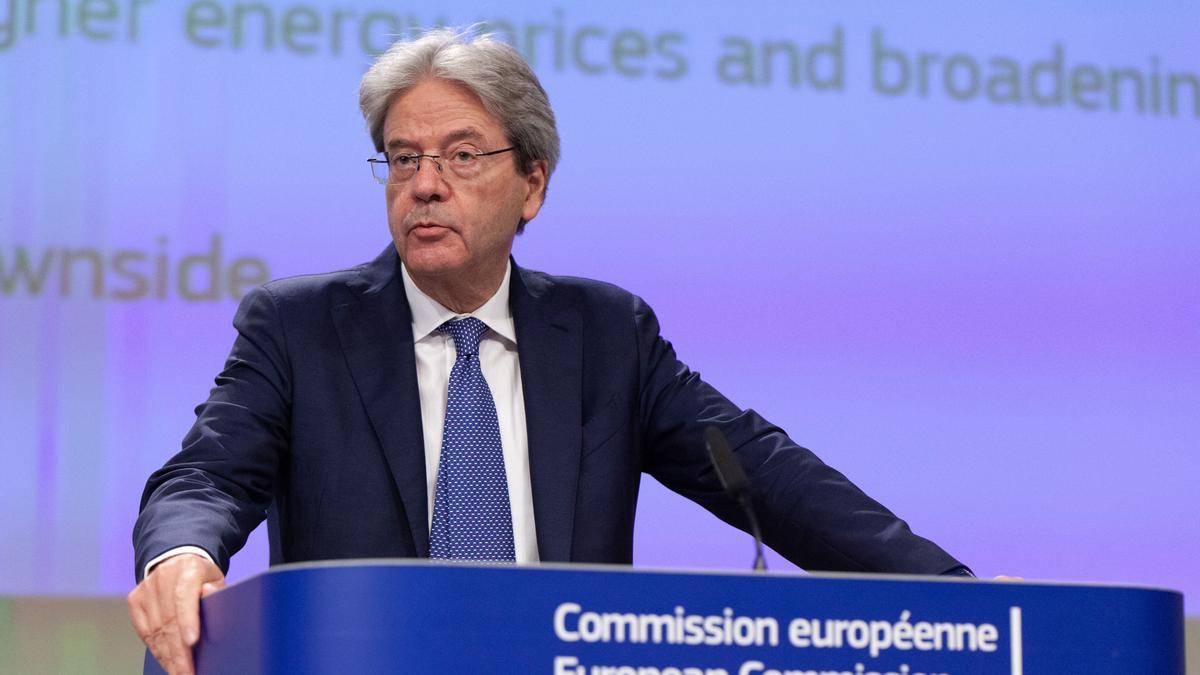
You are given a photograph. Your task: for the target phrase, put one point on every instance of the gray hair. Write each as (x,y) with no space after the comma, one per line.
(490,68)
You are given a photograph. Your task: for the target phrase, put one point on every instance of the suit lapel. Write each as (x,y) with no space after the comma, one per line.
(375,331)
(550,347)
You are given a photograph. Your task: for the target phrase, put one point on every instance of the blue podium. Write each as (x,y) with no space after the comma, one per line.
(423,617)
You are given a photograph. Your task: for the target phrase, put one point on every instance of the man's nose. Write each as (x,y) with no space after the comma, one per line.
(428,183)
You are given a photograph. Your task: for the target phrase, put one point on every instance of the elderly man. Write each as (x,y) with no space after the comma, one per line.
(441,401)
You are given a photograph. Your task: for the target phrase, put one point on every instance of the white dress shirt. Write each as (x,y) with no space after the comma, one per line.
(436,354)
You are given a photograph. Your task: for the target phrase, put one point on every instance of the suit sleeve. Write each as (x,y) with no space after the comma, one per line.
(810,513)
(216,490)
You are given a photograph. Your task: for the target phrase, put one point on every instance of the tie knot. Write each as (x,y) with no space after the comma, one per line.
(466,333)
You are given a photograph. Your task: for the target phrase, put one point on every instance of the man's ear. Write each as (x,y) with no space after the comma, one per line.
(535,186)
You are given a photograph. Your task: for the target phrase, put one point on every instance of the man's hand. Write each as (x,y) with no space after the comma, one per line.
(165,608)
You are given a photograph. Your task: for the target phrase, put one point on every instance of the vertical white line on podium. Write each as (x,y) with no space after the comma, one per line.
(1014,629)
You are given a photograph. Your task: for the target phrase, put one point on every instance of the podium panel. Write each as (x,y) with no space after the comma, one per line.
(417,616)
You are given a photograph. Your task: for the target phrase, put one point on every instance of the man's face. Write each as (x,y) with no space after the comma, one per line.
(443,224)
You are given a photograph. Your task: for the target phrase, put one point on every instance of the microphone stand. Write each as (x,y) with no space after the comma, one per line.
(736,485)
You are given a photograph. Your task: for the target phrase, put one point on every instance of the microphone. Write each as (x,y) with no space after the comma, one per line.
(736,485)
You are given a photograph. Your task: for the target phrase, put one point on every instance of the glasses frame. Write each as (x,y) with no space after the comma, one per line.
(386,162)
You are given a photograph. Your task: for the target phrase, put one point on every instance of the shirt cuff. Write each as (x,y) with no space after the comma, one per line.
(178,550)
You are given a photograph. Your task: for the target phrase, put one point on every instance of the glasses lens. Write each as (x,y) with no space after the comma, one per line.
(404,167)
(379,169)
(464,162)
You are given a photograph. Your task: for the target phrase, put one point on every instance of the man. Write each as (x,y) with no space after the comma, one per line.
(441,401)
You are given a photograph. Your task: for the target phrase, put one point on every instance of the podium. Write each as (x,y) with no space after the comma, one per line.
(374,616)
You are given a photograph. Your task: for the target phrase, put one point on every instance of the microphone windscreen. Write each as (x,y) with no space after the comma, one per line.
(729,470)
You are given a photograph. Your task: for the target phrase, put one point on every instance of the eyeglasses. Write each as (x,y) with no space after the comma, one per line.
(464,162)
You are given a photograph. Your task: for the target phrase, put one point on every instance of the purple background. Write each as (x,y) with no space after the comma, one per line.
(987,315)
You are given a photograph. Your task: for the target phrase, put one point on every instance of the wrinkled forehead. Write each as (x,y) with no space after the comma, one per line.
(434,113)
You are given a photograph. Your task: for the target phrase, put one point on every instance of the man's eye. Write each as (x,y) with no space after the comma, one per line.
(463,156)
(403,161)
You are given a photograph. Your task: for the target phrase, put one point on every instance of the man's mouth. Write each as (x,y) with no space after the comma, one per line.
(428,228)
(426,225)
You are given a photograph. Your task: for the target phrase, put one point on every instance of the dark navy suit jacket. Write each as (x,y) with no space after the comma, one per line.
(316,422)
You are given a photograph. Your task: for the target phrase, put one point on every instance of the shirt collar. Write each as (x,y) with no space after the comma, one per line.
(428,314)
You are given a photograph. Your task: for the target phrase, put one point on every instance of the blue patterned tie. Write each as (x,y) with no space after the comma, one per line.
(472,519)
